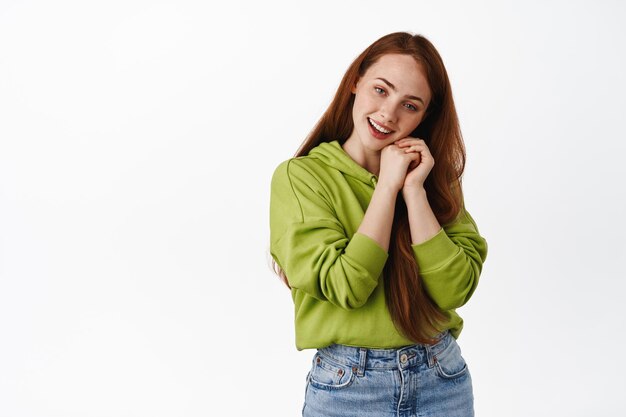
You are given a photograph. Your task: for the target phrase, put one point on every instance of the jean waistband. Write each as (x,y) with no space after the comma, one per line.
(360,358)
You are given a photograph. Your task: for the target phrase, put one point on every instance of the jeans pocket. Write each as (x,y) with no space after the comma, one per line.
(449,363)
(330,375)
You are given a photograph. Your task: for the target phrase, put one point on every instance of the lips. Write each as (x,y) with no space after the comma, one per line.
(377,130)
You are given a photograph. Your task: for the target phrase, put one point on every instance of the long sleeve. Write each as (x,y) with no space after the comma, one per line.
(450,262)
(311,246)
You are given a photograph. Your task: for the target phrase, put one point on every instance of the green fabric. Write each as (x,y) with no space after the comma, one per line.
(317,204)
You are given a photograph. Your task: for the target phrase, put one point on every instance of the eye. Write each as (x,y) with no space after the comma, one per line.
(379,90)
(410,107)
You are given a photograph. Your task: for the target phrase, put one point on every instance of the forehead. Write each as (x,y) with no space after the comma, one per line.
(403,71)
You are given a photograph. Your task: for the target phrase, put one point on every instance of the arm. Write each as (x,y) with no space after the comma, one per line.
(310,244)
(378,218)
(450,259)
(422,221)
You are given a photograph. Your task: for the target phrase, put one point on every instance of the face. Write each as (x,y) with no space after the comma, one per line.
(390,101)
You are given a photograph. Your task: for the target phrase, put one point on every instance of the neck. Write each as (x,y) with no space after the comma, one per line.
(370,160)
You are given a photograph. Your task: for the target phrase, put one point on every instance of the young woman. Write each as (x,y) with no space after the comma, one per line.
(369,230)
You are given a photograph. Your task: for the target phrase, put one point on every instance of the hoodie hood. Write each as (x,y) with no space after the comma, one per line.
(333,155)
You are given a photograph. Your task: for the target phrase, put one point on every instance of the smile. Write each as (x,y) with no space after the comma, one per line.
(378,127)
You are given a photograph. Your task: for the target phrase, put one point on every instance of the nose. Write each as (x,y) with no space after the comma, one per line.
(388,113)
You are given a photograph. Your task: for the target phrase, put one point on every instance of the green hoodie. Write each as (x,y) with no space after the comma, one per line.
(317,204)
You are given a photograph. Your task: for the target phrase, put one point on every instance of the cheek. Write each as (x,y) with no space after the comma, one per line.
(412,124)
(363,103)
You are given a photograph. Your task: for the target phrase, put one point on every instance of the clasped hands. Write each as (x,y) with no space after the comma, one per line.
(405,164)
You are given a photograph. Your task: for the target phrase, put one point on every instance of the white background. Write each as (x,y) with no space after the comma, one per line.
(137,143)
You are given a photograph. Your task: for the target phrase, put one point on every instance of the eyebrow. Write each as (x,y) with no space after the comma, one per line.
(393,87)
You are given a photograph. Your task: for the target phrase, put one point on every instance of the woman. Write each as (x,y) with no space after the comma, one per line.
(369,230)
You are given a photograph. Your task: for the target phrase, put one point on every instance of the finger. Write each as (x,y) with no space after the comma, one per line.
(409,142)
(413,157)
(416,159)
(420,147)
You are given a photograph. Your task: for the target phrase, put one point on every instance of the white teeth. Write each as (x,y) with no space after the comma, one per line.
(378,127)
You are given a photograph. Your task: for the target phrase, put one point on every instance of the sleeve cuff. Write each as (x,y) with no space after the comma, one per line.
(435,252)
(371,256)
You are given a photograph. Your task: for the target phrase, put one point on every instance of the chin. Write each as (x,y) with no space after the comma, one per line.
(377,144)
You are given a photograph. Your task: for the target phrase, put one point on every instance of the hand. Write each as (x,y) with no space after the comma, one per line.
(421,165)
(394,165)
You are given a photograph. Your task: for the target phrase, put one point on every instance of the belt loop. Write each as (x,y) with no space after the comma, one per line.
(429,356)
(362,359)
(432,357)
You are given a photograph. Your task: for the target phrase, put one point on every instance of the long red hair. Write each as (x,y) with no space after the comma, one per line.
(414,313)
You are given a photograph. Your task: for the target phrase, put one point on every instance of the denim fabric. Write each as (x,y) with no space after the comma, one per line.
(417,380)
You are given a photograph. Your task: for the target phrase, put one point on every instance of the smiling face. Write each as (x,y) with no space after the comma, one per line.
(390,102)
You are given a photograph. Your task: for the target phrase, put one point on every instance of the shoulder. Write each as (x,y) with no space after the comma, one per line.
(462,221)
(303,169)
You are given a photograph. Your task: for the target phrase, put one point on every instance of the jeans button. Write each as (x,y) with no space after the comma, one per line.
(403,358)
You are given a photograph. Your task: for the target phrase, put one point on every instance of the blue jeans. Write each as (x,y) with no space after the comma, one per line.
(417,380)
